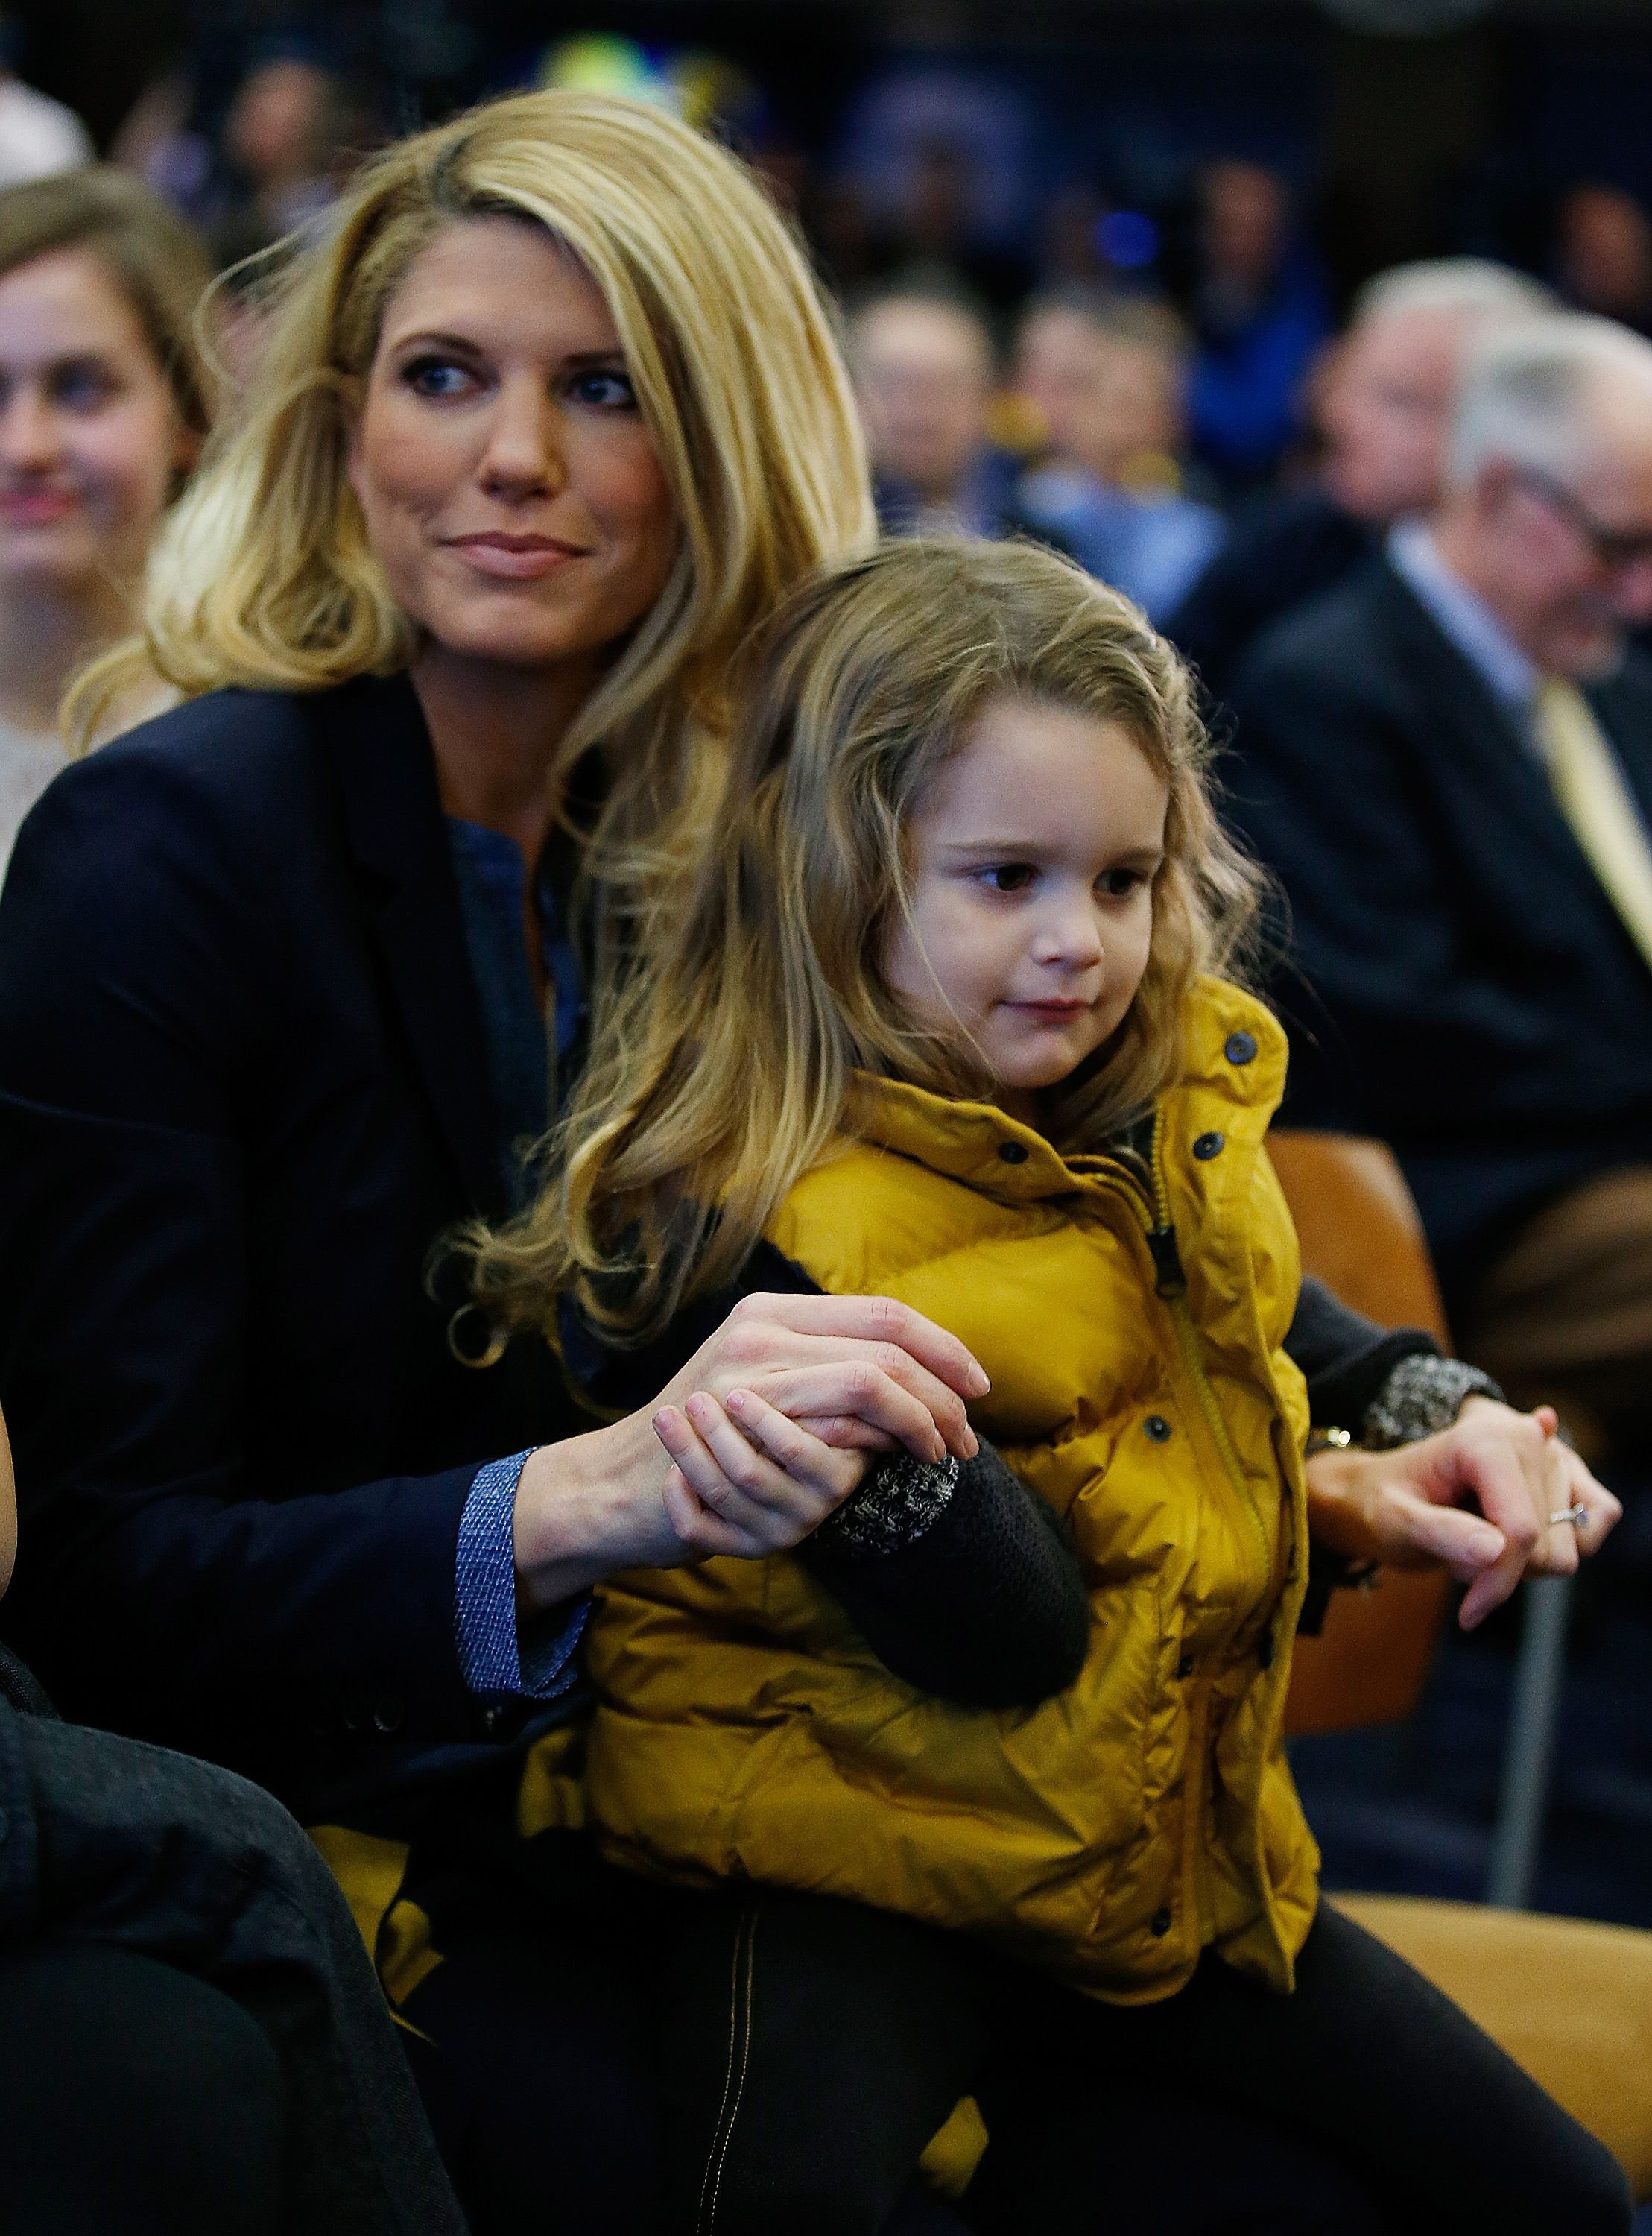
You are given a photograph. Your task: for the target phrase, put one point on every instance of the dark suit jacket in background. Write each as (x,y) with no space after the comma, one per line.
(1281,553)
(243,1091)
(1476,1000)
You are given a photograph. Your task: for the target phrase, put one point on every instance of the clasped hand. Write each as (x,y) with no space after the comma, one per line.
(767,1428)
(771,1423)
(1475,1499)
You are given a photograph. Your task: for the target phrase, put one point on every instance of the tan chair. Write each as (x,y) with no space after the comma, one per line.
(1571,2001)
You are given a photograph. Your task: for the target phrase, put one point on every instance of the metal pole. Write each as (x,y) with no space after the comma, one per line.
(1539,1673)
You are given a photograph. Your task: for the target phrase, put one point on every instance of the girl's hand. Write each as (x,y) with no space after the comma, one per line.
(850,1375)
(1475,1499)
(746,1480)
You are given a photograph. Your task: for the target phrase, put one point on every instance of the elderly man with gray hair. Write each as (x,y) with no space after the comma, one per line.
(1448,761)
(1382,403)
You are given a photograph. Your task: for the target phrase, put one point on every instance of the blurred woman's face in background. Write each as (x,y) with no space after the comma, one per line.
(1385,408)
(1242,214)
(279,125)
(511,490)
(923,372)
(90,439)
(1105,398)
(1054,365)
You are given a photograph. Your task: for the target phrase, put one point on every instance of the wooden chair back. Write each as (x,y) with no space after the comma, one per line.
(1361,1236)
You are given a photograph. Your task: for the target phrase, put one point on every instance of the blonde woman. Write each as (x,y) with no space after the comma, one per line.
(546,422)
(955,1014)
(104,403)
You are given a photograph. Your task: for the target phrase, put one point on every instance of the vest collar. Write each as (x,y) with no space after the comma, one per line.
(1236,1049)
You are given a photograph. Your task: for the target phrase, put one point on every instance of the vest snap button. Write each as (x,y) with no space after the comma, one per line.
(1160,1923)
(1209,1146)
(1241,1048)
(1158,1428)
(1014,1152)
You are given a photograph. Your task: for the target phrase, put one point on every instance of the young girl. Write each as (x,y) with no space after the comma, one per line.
(951,1020)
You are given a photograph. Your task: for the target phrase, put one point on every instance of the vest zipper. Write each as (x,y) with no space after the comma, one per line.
(1171,1284)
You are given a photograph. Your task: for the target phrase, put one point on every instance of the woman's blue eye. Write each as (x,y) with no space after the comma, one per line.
(609,391)
(435,375)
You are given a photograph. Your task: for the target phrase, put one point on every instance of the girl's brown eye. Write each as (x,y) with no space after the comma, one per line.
(1009,877)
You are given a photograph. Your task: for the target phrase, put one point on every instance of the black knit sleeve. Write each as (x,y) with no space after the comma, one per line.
(985,1605)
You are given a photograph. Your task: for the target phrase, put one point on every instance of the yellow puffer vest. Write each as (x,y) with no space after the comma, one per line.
(745,1731)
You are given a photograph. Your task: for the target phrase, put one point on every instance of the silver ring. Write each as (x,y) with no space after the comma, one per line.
(1572,1514)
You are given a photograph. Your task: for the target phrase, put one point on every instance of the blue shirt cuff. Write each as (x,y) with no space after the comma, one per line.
(499,1658)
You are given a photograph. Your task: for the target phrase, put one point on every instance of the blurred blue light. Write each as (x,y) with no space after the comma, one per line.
(1127,240)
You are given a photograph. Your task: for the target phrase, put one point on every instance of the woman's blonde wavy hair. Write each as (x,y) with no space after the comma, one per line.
(722,1066)
(263,575)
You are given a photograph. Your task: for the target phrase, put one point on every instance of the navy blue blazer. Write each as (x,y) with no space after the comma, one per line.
(1472,994)
(243,1093)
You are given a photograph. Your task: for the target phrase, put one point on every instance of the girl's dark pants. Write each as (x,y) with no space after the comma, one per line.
(813,2047)
(535,2041)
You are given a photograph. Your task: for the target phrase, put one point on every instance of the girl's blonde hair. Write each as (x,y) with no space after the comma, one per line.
(722,1065)
(263,575)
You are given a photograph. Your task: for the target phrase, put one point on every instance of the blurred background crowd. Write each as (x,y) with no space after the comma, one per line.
(1186,290)
(1099,260)
(1203,188)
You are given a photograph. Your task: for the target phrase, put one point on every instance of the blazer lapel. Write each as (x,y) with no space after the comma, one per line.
(374,738)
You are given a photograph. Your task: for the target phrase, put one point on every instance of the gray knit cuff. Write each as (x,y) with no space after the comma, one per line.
(898,1503)
(1423,1395)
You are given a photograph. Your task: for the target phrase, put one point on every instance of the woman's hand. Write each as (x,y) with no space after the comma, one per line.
(1476,1499)
(863,1373)
(750,1447)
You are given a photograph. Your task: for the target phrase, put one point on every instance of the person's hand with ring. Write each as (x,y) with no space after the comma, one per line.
(1496,1497)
